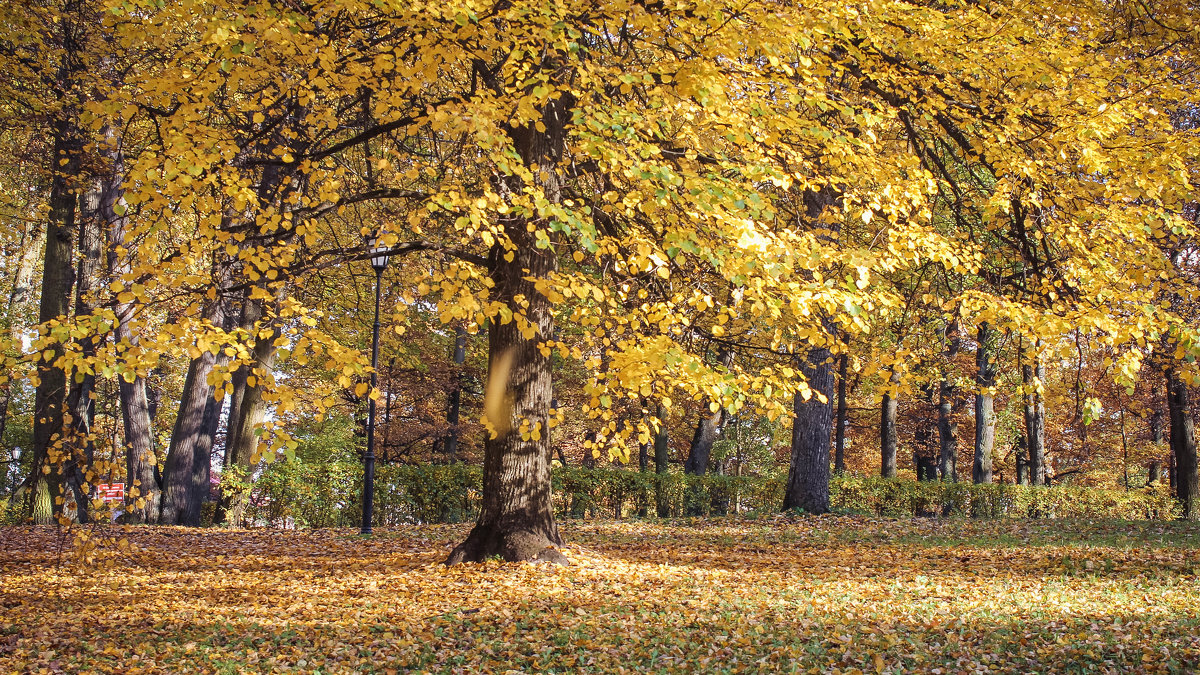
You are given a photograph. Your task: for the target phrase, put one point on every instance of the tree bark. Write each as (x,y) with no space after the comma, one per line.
(247,410)
(32,244)
(1154,472)
(57,281)
(1183,444)
(808,474)
(251,312)
(517,519)
(661,463)
(143,493)
(700,451)
(888,440)
(842,419)
(985,418)
(81,390)
(179,503)
(202,463)
(1022,462)
(708,429)
(454,399)
(1032,376)
(947,434)
(252,408)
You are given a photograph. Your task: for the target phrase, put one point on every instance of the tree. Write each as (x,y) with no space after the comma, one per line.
(985,417)
(1033,376)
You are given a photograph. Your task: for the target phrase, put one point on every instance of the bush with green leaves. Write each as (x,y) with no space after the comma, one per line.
(313,494)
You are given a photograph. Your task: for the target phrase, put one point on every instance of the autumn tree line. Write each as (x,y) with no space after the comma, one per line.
(837,234)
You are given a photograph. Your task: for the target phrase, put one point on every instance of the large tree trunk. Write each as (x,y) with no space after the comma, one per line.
(842,418)
(808,472)
(985,418)
(57,281)
(517,519)
(808,475)
(1183,444)
(1033,375)
(888,408)
(179,503)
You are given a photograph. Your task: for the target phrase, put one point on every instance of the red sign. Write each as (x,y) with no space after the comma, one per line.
(111,492)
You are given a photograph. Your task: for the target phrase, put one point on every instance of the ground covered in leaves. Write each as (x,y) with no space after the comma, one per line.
(833,594)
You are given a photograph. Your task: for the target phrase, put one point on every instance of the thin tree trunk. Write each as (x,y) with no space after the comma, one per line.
(661,461)
(80,393)
(808,475)
(202,467)
(700,451)
(211,423)
(143,493)
(252,409)
(839,433)
(1154,472)
(237,448)
(947,433)
(1183,444)
(708,429)
(1033,375)
(32,244)
(985,418)
(454,400)
(888,408)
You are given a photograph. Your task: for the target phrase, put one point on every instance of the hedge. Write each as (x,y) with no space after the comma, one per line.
(292,494)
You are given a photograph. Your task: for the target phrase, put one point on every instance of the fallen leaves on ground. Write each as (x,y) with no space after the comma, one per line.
(830,594)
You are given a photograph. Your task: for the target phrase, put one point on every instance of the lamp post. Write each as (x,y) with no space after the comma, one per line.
(16,468)
(379,261)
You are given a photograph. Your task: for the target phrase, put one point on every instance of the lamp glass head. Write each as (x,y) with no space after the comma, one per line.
(379,257)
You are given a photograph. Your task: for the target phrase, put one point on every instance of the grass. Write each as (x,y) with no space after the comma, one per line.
(840,594)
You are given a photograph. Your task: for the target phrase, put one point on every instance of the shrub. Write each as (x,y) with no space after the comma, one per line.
(298,493)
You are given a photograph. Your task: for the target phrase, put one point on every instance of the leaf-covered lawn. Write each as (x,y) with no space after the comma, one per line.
(833,594)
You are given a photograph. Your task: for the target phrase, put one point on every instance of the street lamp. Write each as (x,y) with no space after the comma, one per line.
(379,261)
(16,470)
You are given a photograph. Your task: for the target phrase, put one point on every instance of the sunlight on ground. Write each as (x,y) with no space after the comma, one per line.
(837,594)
